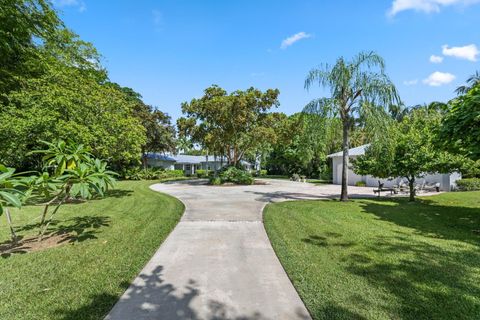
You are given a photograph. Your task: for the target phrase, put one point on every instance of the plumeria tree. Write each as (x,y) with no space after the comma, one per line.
(76,174)
(358,89)
(70,172)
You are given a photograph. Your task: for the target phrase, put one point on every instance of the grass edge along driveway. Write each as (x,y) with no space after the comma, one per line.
(382,259)
(116,237)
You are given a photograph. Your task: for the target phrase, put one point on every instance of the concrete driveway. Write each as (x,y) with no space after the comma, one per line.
(217,263)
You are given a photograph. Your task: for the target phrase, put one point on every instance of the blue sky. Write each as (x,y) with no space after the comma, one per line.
(169,51)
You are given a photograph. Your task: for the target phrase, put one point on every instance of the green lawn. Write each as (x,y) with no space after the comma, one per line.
(115,237)
(382,259)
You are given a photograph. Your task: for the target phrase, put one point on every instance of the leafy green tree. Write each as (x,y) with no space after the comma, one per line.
(52,85)
(160,133)
(357,88)
(409,152)
(229,124)
(460,129)
(33,38)
(68,104)
(307,140)
(24,24)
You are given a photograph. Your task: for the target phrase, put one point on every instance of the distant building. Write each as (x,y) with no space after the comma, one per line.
(189,164)
(446,181)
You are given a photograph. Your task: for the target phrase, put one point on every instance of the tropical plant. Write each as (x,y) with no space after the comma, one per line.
(9,196)
(358,88)
(63,155)
(87,179)
(76,174)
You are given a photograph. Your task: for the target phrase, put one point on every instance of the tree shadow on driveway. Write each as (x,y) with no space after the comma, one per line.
(150,297)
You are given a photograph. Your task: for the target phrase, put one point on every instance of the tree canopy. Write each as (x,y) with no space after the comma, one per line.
(52,85)
(230,124)
(460,130)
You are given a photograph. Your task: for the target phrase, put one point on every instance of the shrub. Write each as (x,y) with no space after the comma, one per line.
(360,184)
(215,181)
(233,175)
(173,173)
(470,184)
(201,173)
(137,173)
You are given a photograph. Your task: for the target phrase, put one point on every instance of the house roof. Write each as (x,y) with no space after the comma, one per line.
(182,158)
(160,156)
(358,151)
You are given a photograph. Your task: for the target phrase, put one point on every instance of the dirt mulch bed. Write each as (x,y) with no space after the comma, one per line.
(32,244)
(231,184)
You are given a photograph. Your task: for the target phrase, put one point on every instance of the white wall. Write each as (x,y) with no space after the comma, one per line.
(352,177)
(156,163)
(447,181)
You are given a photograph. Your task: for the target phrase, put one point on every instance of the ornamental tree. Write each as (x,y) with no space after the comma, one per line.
(409,151)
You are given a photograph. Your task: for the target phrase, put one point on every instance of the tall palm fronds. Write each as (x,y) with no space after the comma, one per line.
(472,81)
(358,88)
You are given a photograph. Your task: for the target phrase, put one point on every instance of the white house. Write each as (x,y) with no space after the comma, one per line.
(446,181)
(189,164)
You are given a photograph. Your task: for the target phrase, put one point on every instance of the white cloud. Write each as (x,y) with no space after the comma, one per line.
(427,6)
(410,82)
(438,78)
(469,52)
(71,3)
(436,59)
(292,39)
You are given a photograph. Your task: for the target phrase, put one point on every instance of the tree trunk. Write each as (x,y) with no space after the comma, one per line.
(206,158)
(51,217)
(10,225)
(411,184)
(345,145)
(45,211)
(144,161)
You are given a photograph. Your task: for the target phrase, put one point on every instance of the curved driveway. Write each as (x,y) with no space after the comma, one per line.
(217,263)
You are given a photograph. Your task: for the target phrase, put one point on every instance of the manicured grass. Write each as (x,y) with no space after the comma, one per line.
(382,259)
(319,181)
(275,176)
(115,237)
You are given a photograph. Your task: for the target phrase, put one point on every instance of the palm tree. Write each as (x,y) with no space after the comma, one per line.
(357,88)
(397,112)
(472,81)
